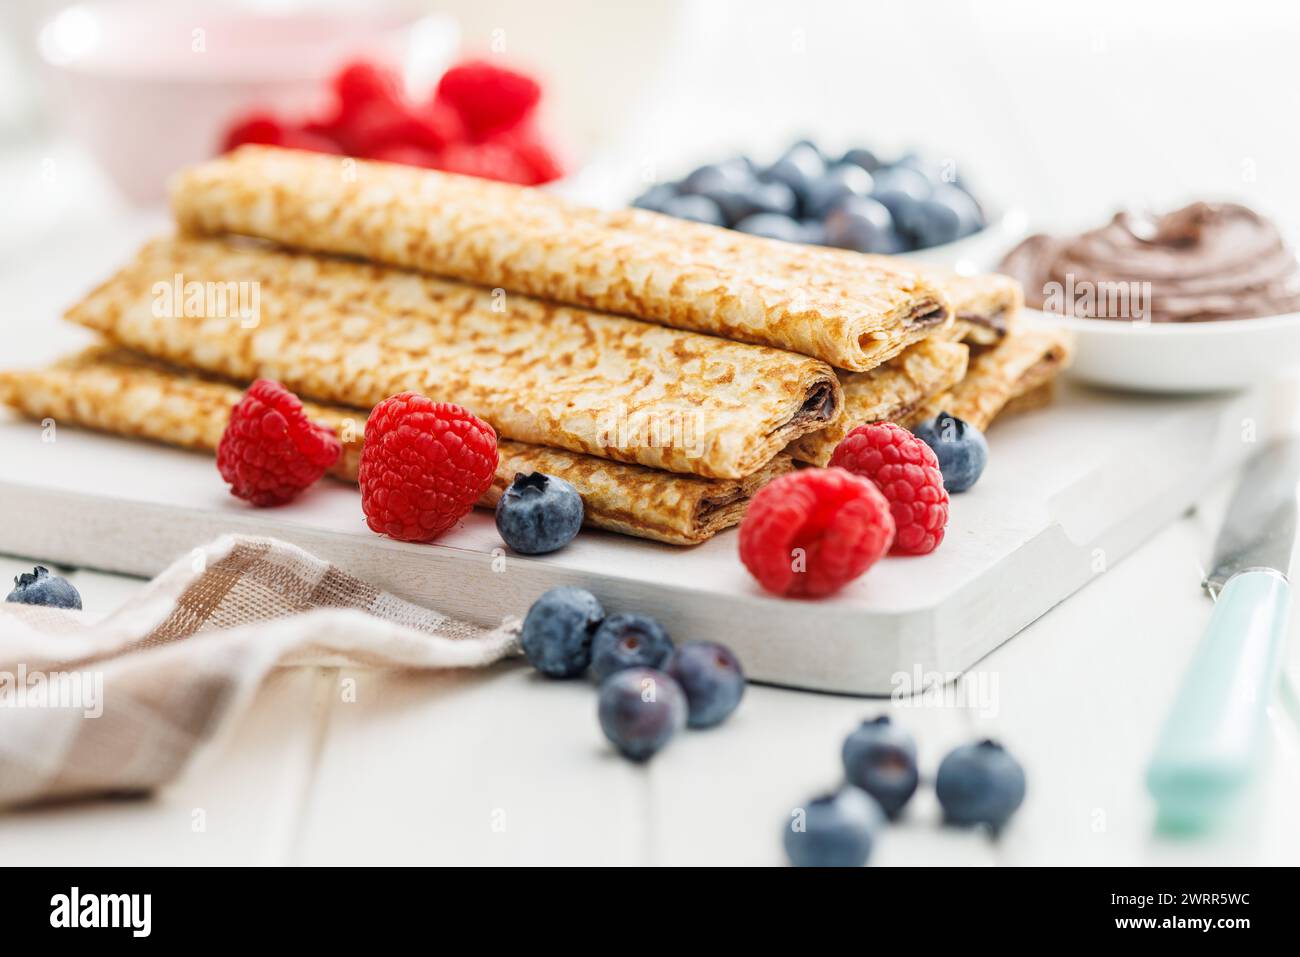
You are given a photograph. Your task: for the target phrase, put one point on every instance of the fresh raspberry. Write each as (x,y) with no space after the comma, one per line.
(303,139)
(260,128)
(907,472)
(423,466)
(488,97)
(485,160)
(406,154)
(361,82)
(533,150)
(813,531)
(271,451)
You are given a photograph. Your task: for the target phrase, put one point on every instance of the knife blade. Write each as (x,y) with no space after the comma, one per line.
(1213,737)
(1260,526)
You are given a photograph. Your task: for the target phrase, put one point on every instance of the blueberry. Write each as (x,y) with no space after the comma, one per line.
(960,448)
(834,830)
(654,198)
(814,231)
(929,223)
(880,758)
(39,587)
(970,217)
(711,677)
(627,640)
(901,179)
(839,183)
(800,165)
(640,709)
(863,224)
(863,159)
(735,173)
(773,226)
(538,513)
(980,784)
(700,209)
(557,631)
(772,198)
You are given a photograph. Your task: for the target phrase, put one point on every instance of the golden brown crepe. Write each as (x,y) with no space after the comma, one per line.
(854,314)
(1023,362)
(895,392)
(115,391)
(353,334)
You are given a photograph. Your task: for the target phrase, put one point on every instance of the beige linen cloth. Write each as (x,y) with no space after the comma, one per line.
(180,661)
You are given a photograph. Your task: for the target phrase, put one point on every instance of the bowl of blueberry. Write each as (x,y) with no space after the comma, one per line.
(910,206)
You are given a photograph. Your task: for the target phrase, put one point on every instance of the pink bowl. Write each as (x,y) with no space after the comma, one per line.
(150,87)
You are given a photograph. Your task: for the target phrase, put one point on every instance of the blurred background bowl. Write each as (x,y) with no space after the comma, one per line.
(1179,357)
(149,88)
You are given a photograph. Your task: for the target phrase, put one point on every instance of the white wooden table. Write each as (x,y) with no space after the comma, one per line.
(502,766)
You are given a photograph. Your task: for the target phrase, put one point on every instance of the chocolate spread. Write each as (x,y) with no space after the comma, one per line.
(1204,262)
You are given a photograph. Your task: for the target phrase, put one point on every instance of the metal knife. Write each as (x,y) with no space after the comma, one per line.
(1213,737)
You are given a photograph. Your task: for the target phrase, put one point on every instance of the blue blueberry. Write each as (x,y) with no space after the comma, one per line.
(929,223)
(628,640)
(700,209)
(862,224)
(901,179)
(863,159)
(654,198)
(557,631)
(39,587)
(735,172)
(773,226)
(640,709)
(711,677)
(834,830)
(772,198)
(814,231)
(839,183)
(960,448)
(798,168)
(538,513)
(970,218)
(980,784)
(880,758)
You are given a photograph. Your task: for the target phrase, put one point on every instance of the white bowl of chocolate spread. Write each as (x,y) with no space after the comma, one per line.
(1204,298)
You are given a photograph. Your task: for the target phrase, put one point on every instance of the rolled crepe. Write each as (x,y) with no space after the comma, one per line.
(984,306)
(854,315)
(1022,363)
(114,391)
(351,333)
(895,392)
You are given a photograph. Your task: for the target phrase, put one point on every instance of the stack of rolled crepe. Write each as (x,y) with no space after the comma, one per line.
(667,370)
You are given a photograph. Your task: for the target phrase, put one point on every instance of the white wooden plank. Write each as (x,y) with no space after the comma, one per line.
(239,805)
(495,767)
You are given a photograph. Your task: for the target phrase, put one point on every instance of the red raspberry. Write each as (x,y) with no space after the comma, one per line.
(812,531)
(533,150)
(261,128)
(423,466)
(907,472)
(488,97)
(271,451)
(405,154)
(485,160)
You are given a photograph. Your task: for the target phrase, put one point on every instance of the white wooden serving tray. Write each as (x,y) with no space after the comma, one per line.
(1069,491)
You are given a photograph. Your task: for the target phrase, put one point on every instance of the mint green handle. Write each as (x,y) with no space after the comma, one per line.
(1214,735)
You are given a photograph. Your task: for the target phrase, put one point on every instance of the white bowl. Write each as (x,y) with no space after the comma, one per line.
(1179,357)
(978,252)
(150,87)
